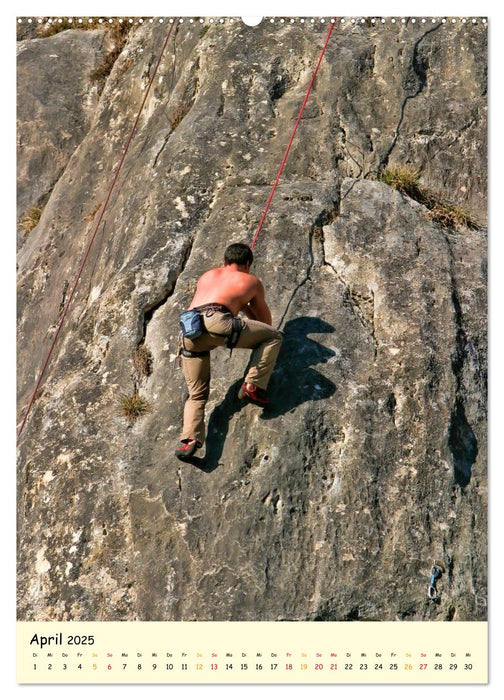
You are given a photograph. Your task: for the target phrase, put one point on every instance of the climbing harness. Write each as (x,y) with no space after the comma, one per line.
(183,352)
(88,249)
(236,330)
(435,573)
(236,325)
(192,353)
(192,326)
(284,159)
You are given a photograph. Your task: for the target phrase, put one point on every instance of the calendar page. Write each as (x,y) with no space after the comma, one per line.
(252,349)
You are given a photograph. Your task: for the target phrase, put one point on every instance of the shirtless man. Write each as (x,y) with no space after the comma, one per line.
(220,295)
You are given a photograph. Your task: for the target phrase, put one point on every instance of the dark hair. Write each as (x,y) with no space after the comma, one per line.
(239,253)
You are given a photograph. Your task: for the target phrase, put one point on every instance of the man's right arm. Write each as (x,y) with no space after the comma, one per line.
(259,306)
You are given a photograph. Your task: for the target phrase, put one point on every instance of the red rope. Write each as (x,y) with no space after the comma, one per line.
(88,250)
(284,159)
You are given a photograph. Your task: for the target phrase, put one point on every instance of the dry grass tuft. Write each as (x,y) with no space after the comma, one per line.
(29,220)
(90,217)
(447,215)
(406,180)
(102,71)
(54,25)
(59,25)
(133,406)
(452,216)
(118,32)
(143,360)
(178,114)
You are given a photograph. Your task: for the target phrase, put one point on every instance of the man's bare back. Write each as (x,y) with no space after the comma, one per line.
(234,287)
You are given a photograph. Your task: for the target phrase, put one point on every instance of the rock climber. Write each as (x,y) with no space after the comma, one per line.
(211,321)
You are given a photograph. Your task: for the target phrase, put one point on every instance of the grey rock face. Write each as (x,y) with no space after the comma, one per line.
(56,103)
(372,462)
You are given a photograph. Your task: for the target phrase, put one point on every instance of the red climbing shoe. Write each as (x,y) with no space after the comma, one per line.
(253,394)
(187,448)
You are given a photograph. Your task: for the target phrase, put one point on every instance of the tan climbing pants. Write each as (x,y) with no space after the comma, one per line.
(265,342)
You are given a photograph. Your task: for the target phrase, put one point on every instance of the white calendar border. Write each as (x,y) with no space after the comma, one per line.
(259,8)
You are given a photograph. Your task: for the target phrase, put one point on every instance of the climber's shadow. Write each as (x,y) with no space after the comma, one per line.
(204,463)
(294,381)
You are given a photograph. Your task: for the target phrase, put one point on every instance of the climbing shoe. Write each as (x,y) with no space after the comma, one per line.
(253,394)
(187,448)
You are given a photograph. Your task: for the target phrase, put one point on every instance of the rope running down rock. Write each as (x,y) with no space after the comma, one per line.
(88,249)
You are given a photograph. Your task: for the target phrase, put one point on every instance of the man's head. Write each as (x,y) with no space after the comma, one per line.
(239,253)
